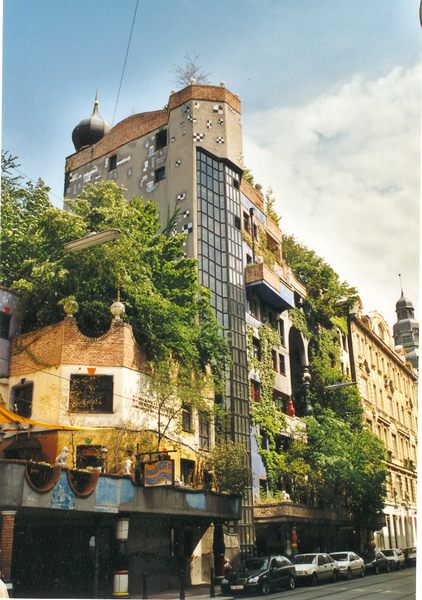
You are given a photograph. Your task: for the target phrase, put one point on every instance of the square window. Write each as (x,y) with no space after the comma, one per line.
(5,319)
(161,139)
(255,391)
(187,418)
(187,471)
(112,162)
(22,398)
(91,393)
(204,431)
(159,174)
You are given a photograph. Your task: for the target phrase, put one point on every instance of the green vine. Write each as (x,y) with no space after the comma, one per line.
(266,417)
(298,320)
(260,244)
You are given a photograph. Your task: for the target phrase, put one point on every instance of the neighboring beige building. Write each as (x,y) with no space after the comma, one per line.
(388,385)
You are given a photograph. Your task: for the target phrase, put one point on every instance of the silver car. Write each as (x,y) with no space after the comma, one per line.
(395,558)
(315,567)
(349,564)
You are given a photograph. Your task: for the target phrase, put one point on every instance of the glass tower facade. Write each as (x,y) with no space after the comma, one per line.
(221,270)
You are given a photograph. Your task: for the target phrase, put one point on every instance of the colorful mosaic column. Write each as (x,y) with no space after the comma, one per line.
(6,545)
(121,573)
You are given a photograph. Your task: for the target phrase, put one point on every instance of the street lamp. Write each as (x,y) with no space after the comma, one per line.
(92,239)
(335,386)
(103,458)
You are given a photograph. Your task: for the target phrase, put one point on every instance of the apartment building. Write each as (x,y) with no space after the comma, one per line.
(388,385)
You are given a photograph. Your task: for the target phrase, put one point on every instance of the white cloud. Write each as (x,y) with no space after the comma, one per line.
(345,170)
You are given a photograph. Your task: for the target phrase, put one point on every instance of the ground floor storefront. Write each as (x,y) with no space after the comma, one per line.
(287,528)
(114,538)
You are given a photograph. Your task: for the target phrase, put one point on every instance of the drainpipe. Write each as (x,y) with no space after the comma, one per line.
(251,214)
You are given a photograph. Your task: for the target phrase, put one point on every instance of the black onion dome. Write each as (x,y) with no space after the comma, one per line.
(404,302)
(90,130)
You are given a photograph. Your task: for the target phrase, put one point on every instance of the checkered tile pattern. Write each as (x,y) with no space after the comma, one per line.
(197,104)
(186,214)
(219,139)
(181,196)
(178,163)
(187,228)
(220,121)
(217,108)
(191,119)
(198,137)
(182,124)
(186,108)
(209,124)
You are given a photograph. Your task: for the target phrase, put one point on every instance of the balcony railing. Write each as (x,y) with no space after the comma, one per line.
(287,511)
(269,285)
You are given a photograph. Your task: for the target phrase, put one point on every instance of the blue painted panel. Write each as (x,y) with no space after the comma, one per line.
(287,295)
(62,496)
(246,203)
(196,501)
(127,491)
(258,468)
(107,495)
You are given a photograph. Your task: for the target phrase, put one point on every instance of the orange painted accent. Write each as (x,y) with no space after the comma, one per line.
(91,370)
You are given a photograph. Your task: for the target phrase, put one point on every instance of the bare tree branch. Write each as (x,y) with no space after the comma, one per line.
(190,72)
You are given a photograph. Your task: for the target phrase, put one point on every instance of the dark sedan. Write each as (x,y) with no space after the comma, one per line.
(260,574)
(376,562)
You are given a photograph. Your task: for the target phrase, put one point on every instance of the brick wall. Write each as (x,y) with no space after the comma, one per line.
(139,125)
(129,129)
(63,343)
(252,194)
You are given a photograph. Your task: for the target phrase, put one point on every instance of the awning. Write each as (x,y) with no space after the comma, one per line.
(8,417)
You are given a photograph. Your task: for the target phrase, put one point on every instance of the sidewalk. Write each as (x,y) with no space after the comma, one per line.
(193,592)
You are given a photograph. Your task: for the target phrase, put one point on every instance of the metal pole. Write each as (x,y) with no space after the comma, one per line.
(97,559)
(182,584)
(144,586)
(251,213)
(212,585)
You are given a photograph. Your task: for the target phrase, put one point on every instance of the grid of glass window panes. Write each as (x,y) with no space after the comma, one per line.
(221,270)
(212,241)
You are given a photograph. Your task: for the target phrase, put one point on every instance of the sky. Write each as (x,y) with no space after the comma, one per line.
(330,94)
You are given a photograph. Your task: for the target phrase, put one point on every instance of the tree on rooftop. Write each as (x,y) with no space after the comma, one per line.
(167,308)
(190,71)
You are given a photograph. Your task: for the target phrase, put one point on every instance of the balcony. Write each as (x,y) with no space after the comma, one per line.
(269,286)
(281,512)
(112,494)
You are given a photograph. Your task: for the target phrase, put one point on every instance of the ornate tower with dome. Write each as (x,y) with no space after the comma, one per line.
(406,330)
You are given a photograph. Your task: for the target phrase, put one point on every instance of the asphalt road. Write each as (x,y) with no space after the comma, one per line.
(398,585)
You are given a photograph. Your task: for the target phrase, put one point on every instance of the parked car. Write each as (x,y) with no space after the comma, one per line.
(375,562)
(409,557)
(316,567)
(349,564)
(261,574)
(396,558)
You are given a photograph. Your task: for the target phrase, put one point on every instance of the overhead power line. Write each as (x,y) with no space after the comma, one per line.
(125,61)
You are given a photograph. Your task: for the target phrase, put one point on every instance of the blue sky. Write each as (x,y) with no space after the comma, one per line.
(299,66)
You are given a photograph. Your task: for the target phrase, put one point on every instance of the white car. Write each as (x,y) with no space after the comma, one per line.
(349,564)
(395,557)
(315,567)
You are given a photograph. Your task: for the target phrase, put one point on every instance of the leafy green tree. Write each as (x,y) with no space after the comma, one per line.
(169,312)
(247,175)
(346,460)
(228,466)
